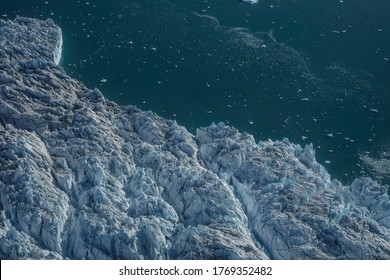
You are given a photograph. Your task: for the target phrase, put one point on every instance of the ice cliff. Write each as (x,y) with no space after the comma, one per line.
(84,178)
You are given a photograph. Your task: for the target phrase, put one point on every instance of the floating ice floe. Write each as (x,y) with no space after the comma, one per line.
(249,1)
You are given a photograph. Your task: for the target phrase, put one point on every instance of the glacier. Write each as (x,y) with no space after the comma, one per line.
(84,178)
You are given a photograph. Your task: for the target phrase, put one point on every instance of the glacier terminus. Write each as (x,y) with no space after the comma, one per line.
(84,178)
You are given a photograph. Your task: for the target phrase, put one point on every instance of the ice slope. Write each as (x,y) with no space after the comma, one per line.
(84,178)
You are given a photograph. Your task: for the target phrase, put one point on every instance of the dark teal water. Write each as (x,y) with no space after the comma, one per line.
(314,71)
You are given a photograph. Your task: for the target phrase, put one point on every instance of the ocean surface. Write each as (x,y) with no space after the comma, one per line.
(314,71)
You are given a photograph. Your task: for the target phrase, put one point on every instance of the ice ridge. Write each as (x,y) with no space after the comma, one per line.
(84,178)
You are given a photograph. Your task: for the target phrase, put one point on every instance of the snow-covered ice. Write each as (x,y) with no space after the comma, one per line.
(84,178)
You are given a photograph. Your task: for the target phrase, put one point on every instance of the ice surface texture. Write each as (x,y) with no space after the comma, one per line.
(84,178)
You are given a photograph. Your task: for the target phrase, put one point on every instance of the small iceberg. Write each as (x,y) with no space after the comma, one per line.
(249,1)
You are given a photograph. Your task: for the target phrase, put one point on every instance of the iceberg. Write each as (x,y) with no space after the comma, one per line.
(249,1)
(84,178)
